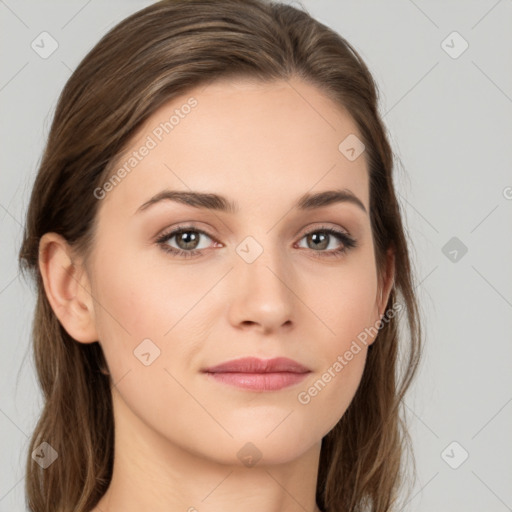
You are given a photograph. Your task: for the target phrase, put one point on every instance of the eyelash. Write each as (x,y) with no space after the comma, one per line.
(347,241)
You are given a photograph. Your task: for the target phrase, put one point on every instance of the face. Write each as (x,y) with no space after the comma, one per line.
(265,278)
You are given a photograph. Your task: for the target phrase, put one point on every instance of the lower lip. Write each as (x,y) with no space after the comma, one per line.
(259,381)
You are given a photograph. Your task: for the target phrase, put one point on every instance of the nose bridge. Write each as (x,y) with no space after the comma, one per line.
(262,257)
(263,287)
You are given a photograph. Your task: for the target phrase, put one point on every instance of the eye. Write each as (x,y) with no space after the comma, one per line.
(187,239)
(320,239)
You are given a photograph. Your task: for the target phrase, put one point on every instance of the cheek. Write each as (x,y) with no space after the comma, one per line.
(141,299)
(326,397)
(342,339)
(344,302)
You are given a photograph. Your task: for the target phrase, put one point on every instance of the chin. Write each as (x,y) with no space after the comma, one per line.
(255,446)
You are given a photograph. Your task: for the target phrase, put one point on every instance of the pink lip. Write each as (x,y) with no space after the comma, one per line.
(259,374)
(255,365)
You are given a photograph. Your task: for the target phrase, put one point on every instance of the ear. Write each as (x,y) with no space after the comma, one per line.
(67,288)
(386,283)
(384,288)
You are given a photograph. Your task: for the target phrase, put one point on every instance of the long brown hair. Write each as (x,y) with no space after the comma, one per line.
(146,60)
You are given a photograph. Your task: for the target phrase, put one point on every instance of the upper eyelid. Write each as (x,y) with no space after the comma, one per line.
(174,231)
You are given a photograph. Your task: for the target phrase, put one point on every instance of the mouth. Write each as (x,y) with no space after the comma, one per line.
(259,374)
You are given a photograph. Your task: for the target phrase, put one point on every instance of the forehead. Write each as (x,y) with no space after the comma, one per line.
(256,140)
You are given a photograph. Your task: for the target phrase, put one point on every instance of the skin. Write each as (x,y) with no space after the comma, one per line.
(178,432)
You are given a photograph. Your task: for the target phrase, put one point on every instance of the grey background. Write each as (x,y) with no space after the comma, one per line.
(450,122)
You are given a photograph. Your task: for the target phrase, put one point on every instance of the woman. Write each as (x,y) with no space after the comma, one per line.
(221,269)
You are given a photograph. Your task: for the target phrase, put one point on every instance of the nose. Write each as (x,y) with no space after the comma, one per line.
(263,297)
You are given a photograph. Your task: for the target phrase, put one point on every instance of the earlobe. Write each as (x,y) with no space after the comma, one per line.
(67,288)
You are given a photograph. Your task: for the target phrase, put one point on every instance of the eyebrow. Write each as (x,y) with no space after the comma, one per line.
(220,203)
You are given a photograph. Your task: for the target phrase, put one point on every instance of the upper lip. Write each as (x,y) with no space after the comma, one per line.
(255,365)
